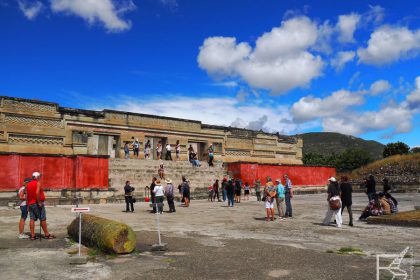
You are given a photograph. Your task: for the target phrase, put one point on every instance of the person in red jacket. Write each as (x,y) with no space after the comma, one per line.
(35,200)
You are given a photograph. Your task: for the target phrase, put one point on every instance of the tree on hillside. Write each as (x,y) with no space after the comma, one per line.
(352,158)
(415,150)
(397,148)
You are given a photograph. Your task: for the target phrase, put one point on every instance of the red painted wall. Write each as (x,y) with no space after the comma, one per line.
(58,172)
(299,175)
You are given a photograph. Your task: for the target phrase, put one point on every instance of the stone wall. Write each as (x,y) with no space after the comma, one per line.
(32,126)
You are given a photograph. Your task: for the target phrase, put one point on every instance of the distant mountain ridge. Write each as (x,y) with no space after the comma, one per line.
(327,143)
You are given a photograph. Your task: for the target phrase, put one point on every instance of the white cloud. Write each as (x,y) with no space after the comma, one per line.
(413,99)
(30,9)
(388,44)
(279,62)
(107,12)
(341,59)
(310,108)
(346,26)
(375,14)
(380,86)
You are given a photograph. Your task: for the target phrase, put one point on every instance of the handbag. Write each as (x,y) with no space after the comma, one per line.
(134,200)
(335,203)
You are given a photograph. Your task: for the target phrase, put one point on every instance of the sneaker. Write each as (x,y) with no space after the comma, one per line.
(23,236)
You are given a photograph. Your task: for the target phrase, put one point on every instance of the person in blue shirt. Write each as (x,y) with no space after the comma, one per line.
(280,198)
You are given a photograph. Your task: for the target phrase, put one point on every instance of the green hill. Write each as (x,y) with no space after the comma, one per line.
(327,143)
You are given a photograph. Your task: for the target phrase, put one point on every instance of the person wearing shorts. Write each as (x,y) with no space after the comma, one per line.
(23,209)
(246,196)
(35,199)
(270,194)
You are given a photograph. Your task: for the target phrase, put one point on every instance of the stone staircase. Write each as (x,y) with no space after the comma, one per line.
(140,174)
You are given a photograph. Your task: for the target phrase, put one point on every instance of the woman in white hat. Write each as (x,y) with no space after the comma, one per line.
(334,203)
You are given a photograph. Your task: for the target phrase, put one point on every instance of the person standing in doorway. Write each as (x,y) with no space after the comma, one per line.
(280,198)
(126,150)
(159,150)
(168,155)
(23,209)
(190,153)
(158,191)
(169,193)
(288,196)
(128,195)
(178,150)
(147,148)
(35,201)
(211,155)
(258,190)
(346,197)
(136,147)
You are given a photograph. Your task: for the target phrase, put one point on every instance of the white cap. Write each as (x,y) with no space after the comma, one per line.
(36,174)
(332,179)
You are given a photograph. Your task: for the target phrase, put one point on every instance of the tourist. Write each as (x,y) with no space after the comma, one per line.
(269,194)
(186,191)
(168,155)
(152,194)
(238,190)
(169,193)
(136,146)
(334,203)
(211,192)
(370,187)
(35,198)
(190,153)
(159,150)
(161,170)
(246,191)
(280,198)
(224,189)
(384,204)
(216,190)
(386,185)
(392,202)
(158,191)
(128,195)
(258,190)
(346,197)
(147,149)
(211,155)
(373,208)
(195,161)
(178,150)
(230,192)
(288,196)
(23,209)
(126,150)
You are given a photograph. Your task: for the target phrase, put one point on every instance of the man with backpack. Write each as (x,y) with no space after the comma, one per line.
(280,198)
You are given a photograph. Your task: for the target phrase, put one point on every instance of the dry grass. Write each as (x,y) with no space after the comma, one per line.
(409,218)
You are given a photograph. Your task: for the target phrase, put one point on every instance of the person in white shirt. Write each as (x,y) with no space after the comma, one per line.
(23,210)
(178,150)
(159,193)
(168,155)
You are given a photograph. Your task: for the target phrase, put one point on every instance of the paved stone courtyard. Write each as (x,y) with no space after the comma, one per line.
(211,241)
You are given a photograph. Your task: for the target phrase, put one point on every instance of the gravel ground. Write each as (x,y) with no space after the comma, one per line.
(211,241)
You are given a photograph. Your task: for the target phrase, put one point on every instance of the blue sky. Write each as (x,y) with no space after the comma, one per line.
(287,66)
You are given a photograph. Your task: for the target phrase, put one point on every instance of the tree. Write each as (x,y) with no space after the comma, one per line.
(397,148)
(352,158)
(415,150)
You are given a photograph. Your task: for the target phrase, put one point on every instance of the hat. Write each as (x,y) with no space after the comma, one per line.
(36,174)
(168,181)
(158,182)
(278,180)
(332,179)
